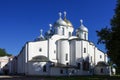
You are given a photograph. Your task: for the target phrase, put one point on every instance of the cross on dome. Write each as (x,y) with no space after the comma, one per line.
(81,22)
(50,26)
(41,32)
(60,15)
(65,13)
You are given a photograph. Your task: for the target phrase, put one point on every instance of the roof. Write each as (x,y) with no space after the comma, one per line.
(39,59)
(101,63)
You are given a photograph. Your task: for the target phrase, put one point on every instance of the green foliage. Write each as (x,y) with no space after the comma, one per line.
(111,37)
(4,53)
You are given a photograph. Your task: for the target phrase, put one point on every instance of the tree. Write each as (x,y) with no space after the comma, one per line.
(3,52)
(111,37)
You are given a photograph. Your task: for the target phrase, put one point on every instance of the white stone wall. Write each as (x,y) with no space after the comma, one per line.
(63,46)
(21,61)
(36,68)
(99,56)
(37,48)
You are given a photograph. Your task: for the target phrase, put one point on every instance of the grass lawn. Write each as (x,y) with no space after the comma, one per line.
(117,77)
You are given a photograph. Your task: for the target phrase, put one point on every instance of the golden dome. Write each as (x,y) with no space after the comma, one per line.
(69,24)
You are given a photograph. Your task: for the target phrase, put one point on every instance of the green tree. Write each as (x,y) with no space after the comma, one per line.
(111,37)
(3,52)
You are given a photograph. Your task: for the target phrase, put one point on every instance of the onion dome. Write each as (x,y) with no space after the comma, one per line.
(60,21)
(69,24)
(82,27)
(41,37)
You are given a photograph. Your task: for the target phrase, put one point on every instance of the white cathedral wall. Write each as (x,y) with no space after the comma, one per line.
(21,62)
(99,56)
(52,50)
(37,48)
(63,30)
(72,52)
(91,53)
(63,53)
(84,45)
(36,68)
(78,51)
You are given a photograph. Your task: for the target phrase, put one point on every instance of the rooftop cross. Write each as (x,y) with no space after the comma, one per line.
(60,15)
(41,32)
(81,22)
(50,26)
(65,13)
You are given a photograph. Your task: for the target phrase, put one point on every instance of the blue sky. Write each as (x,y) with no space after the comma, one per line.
(21,20)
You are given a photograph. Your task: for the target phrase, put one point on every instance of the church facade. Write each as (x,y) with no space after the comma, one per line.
(59,53)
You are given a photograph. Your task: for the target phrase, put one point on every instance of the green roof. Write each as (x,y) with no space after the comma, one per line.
(40,59)
(101,63)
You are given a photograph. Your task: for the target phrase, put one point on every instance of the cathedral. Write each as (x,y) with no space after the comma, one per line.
(60,53)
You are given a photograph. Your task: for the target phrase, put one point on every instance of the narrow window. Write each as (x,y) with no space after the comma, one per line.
(66,57)
(91,58)
(100,56)
(79,65)
(70,34)
(54,51)
(72,71)
(61,71)
(40,49)
(101,70)
(86,66)
(44,68)
(84,50)
(63,31)
(85,36)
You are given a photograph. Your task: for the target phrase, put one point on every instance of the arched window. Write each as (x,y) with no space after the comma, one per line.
(86,66)
(70,34)
(100,56)
(66,57)
(63,30)
(78,65)
(44,68)
(85,36)
(61,71)
(84,50)
(101,70)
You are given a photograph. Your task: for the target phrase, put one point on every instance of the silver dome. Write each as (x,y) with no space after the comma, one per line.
(82,27)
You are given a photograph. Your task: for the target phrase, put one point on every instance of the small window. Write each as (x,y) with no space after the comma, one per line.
(70,34)
(84,50)
(85,36)
(78,65)
(61,71)
(44,68)
(66,57)
(100,56)
(67,64)
(40,49)
(73,71)
(86,66)
(63,31)
(101,70)
(91,58)
(54,51)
